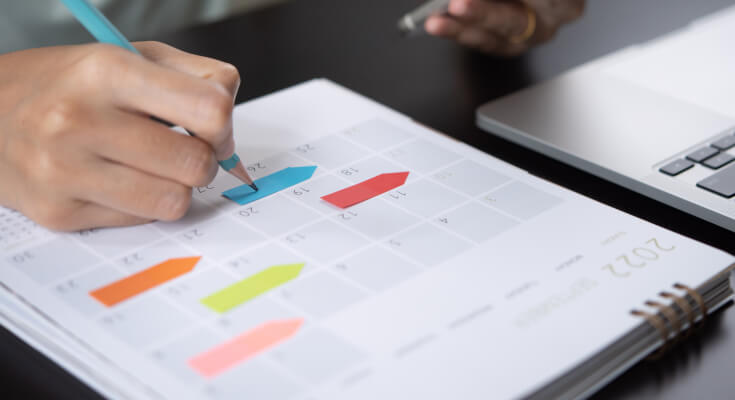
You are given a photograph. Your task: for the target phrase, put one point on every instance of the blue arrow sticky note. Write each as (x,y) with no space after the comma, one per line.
(270,184)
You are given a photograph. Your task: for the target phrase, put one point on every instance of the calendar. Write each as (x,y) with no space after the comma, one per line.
(16,230)
(293,297)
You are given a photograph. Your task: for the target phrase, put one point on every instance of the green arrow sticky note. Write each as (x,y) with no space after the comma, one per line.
(251,287)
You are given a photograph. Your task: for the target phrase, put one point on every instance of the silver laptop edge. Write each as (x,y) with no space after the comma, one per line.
(646,189)
(618,130)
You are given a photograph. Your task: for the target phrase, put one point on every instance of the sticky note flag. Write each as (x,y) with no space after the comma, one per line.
(366,190)
(270,184)
(146,279)
(251,287)
(235,351)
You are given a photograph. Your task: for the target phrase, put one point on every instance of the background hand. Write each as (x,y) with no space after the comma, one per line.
(492,25)
(77,146)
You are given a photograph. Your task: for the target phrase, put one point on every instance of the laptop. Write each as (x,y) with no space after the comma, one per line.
(657,118)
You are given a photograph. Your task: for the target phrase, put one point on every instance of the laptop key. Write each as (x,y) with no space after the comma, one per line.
(702,154)
(676,167)
(722,182)
(719,161)
(725,143)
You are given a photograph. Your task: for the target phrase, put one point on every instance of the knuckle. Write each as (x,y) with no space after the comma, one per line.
(174,203)
(230,75)
(197,161)
(216,107)
(99,64)
(57,118)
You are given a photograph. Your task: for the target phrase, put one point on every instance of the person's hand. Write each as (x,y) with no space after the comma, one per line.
(503,27)
(78,148)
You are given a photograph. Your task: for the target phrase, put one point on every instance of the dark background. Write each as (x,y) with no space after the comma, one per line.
(355,43)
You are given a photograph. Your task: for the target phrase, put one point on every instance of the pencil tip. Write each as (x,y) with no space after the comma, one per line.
(240,172)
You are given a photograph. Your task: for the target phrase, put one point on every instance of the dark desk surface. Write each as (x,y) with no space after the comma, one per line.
(354,43)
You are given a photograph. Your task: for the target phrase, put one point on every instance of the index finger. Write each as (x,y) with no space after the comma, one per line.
(201,67)
(142,86)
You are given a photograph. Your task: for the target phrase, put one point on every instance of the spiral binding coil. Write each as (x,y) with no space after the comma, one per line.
(665,319)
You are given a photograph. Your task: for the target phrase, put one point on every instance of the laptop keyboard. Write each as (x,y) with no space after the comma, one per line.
(676,167)
(722,183)
(724,143)
(714,157)
(718,161)
(702,154)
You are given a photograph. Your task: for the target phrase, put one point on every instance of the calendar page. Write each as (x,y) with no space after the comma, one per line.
(393,263)
(16,230)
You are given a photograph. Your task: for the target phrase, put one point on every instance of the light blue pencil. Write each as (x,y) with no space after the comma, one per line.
(105,32)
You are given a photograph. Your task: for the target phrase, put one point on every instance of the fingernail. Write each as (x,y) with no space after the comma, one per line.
(459,8)
(432,25)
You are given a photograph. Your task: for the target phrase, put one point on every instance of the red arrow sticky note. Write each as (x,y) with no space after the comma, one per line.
(366,190)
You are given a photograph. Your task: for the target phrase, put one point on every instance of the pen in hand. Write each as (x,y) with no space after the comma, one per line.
(105,32)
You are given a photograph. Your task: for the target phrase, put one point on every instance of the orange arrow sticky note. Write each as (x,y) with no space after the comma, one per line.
(146,279)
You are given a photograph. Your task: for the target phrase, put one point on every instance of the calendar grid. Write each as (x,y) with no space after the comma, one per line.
(406,231)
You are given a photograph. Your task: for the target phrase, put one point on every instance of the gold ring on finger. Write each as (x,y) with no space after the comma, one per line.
(530,26)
